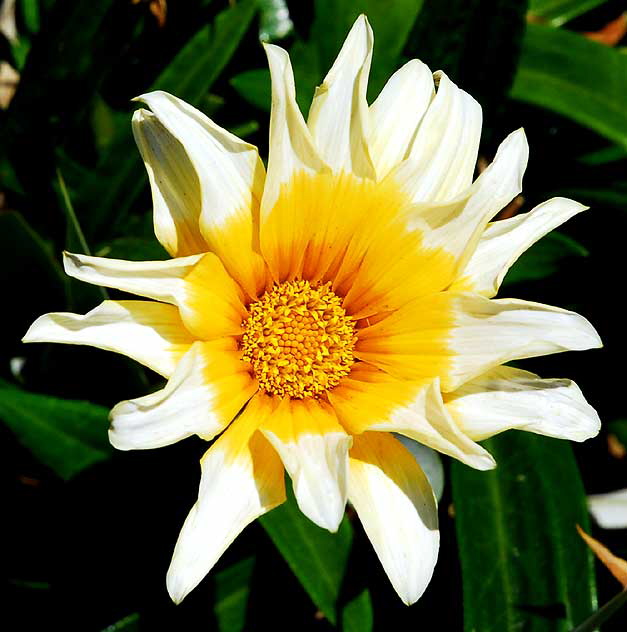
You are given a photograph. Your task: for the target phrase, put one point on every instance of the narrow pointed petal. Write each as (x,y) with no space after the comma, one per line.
(210,302)
(504,241)
(396,114)
(151,333)
(176,196)
(443,154)
(291,152)
(208,388)
(397,508)
(506,398)
(338,117)
(242,478)
(435,240)
(445,335)
(369,400)
(314,449)
(231,178)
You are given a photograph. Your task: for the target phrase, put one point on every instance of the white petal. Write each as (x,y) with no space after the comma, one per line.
(506,398)
(396,113)
(378,402)
(443,155)
(159,280)
(609,510)
(314,449)
(459,230)
(208,388)
(291,147)
(210,302)
(398,511)
(151,333)
(176,196)
(459,336)
(242,478)
(488,333)
(504,241)
(338,118)
(436,239)
(231,177)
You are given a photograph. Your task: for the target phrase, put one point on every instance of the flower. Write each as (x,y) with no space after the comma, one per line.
(313,309)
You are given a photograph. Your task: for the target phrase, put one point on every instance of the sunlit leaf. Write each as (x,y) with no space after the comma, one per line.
(564,72)
(557,12)
(317,558)
(66,435)
(523,565)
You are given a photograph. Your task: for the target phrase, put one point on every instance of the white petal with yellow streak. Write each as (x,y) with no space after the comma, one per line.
(422,249)
(176,197)
(291,152)
(210,302)
(338,117)
(231,178)
(443,154)
(397,508)
(506,398)
(242,478)
(504,241)
(396,113)
(208,388)
(314,449)
(369,400)
(151,333)
(491,332)
(459,336)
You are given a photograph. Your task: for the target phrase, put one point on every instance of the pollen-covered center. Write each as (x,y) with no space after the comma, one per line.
(299,339)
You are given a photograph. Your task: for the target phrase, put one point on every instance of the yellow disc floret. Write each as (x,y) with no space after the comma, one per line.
(299,339)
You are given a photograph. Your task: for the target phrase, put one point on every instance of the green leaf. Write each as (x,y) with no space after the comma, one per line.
(66,435)
(557,12)
(614,195)
(133,249)
(232,588)
(603,614)
(317,558)
(476,43)
(357,614)
(26,261)
(524,566)
(391,22)
(544,258)
(563,72)
(254,86)
(130,623)
(119,178)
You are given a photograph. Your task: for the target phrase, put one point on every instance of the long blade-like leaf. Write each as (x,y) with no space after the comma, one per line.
(318,558)
(575,77)
(523,565)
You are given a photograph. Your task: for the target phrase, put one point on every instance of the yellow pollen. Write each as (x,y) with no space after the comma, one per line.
(299,339)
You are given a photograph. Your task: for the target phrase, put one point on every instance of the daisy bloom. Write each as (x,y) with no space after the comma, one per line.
(315,308)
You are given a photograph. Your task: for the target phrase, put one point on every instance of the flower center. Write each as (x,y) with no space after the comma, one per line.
(299,339)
